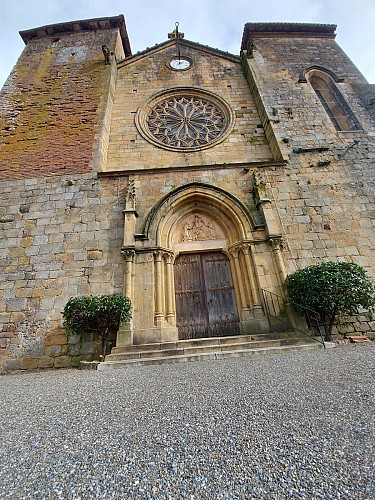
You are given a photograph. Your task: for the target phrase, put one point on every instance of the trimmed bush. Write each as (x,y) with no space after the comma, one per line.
(101,315)
(332,289)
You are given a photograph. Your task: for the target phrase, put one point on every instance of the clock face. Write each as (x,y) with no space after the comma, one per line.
(180,63)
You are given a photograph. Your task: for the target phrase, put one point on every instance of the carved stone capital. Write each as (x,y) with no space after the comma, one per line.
(275,242)
(162,253)
(129,254)
(234,252)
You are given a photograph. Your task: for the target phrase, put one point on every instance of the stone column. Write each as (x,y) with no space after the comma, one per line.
(125,333)
(159,288)
(247,248)
(275,243)
(239,275)
(169,292)
(235,281)
(253,320)
(129,269)
(243,265)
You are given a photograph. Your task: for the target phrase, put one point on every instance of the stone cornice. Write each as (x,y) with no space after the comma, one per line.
(104,23)
(282,30)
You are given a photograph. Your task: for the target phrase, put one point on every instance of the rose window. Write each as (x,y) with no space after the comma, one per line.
(187,121)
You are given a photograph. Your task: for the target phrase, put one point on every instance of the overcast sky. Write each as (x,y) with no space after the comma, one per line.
(217,23)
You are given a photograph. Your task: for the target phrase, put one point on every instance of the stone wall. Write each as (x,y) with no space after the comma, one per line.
(360,324)
(143,76)
(325,195)
(52,105)
(64,112)
(61,237)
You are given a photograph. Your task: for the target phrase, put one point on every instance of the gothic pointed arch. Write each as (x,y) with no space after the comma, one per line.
(324,85)
(224,214)
(307,71)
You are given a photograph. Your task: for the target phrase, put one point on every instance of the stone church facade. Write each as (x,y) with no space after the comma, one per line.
(186,178)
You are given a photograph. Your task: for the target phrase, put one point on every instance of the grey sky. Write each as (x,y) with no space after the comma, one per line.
(217,23)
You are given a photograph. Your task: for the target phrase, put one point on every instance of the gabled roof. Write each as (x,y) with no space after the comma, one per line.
(103,23)
(182,42)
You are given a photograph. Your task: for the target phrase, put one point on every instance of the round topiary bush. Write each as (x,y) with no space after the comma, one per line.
(331,289)
(102,315)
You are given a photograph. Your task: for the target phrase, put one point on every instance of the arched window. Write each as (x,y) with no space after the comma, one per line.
(333,102)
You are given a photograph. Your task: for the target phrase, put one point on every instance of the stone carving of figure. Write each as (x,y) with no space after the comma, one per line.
(198,230)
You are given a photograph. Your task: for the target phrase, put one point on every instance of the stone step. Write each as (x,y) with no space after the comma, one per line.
(359,339)
(185,358)
(182,349)
(211,341)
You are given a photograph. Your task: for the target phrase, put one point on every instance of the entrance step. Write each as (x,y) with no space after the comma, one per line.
(211,341)
(359,339)
(211,348)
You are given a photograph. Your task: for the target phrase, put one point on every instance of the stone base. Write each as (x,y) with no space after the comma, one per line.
(162,332)
(155,335)
(254,321)
(124,335)
(253,326)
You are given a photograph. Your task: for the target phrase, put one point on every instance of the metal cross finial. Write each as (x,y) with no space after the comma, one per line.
(175,33)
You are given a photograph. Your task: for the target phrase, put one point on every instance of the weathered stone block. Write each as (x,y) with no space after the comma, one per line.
(11,364)
(17,317)
(56,339)
(62,362)
(74,339)
(89,348)
(361,327)
(29,363)
(45,362)
(53,351)
(74,350)
(94,254)
(345,328)
(18,304)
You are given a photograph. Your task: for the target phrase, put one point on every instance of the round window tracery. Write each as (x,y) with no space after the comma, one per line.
(185,120)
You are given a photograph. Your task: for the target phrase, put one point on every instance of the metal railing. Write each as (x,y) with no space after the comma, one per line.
(287,313)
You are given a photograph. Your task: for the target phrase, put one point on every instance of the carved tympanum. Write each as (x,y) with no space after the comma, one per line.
(198,228)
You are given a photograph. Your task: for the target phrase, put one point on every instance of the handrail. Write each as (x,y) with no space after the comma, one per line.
(275,306)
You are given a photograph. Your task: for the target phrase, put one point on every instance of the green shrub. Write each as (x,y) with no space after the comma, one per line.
(101,315)
(332,289)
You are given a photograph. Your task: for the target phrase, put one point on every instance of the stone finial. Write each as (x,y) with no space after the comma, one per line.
(130,197)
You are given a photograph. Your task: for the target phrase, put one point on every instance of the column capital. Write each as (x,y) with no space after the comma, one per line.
(276,242)
(128,253)
(161,253)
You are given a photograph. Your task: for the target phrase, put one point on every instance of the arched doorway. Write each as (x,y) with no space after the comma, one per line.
(199,247)
(205,298)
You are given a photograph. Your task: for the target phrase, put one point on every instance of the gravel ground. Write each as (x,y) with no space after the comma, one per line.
(298,425)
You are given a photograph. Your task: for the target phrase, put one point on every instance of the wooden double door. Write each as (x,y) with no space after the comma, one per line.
(205,299)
